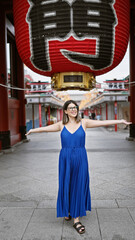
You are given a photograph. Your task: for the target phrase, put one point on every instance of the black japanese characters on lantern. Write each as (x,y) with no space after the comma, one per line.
(47,21)
(83,19)
(97,19)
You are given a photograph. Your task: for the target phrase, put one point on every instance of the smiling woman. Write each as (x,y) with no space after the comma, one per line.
(74,197)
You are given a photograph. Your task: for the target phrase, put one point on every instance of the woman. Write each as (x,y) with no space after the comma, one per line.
(74,194)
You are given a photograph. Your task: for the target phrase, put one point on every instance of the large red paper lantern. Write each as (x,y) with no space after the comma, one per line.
(71,36)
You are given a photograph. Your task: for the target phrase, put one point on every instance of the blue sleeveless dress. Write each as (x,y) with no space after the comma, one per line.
(74,192)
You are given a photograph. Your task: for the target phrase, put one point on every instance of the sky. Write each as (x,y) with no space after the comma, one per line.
(119,72)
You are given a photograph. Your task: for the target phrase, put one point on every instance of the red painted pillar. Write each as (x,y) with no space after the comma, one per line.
(132,71)
(4,119)
(21,96)
(48,115)
(40,116)
(106,111)
(61,114)
(115,113)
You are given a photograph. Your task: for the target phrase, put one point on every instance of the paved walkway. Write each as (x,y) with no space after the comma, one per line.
(29,183)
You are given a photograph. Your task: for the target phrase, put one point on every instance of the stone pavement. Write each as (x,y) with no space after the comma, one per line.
(29,185)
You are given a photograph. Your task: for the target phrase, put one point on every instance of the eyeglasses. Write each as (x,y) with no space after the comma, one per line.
(73,108)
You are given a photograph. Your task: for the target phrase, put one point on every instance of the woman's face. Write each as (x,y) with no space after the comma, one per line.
(71,110)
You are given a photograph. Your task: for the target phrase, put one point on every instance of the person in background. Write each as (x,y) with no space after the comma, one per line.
(98,117)
(93,115)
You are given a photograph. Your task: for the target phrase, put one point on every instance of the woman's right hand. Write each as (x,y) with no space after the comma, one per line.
(29,132)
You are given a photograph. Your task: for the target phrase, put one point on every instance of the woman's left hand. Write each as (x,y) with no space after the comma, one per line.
(125,122)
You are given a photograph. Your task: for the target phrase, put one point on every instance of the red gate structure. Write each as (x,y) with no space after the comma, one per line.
(12,109)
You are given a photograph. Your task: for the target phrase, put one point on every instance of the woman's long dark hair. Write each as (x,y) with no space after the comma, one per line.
(65,116)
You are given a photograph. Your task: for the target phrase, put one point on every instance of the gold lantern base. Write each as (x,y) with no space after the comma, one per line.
(73,80)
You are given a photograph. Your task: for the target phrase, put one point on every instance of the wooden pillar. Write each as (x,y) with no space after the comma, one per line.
(40,116)
(21,96)
(132,70)
(4,118)
(115,113)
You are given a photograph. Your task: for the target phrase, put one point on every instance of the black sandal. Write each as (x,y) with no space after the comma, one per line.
(69,218)
(78,228)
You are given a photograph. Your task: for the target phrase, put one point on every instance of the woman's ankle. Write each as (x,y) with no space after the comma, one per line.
(76,219)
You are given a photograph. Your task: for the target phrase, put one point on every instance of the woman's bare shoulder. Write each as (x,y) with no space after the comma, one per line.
(83,120)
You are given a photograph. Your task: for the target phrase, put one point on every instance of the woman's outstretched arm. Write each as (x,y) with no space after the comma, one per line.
(51,128)
(101,123)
